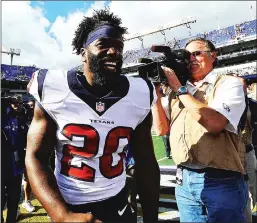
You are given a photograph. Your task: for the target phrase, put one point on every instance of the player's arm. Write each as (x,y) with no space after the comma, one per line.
(147,170)
(41,140)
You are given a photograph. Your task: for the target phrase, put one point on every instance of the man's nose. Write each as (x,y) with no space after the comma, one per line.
(112,50)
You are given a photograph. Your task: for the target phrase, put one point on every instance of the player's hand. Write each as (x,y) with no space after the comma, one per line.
(172,78)
(80,217)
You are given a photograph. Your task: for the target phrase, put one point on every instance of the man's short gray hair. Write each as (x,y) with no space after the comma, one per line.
(208,44)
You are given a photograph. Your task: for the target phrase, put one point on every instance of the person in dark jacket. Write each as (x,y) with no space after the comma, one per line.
(13,134)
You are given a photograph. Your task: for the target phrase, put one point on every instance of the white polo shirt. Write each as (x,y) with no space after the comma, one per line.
(229,99)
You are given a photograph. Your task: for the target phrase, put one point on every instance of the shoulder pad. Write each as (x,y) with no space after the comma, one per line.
(48,86)
(142,92)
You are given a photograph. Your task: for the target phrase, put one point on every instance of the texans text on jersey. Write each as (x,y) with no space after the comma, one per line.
(102,121)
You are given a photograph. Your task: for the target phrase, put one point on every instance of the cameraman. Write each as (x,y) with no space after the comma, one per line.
(205,141)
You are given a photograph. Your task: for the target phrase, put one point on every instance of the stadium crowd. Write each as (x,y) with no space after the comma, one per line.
(247,69)
(218,37)
(224,35)
(17,73)
(98,118)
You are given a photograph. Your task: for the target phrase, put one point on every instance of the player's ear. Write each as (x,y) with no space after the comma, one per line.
(83,53)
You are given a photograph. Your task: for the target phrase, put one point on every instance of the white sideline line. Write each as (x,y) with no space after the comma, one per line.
(161,159)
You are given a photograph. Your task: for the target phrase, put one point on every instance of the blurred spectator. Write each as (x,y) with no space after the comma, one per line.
(131,182)
(14,133)
(165,101)
(245,125)
(251,166)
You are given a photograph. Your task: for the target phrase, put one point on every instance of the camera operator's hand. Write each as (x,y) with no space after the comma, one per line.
(173,81)
(158,90)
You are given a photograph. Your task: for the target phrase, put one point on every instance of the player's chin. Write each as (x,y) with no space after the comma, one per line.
(113,71)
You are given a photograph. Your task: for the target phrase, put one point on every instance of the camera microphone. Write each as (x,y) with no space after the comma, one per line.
(160,49)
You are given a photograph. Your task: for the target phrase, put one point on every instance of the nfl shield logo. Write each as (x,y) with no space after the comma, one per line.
(100,106)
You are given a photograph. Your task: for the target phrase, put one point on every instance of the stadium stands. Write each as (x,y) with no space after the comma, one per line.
(133,55)
(17,73)
(246,28)
(241,69)
(218,37)
(222,35)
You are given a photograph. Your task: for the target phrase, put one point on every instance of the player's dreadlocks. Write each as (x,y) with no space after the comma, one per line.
(89,24)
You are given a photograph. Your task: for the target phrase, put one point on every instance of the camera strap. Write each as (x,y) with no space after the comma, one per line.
(174,118)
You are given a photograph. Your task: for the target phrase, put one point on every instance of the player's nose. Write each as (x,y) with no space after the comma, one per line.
(112,50)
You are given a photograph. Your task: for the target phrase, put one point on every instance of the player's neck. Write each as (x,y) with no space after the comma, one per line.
(97,90)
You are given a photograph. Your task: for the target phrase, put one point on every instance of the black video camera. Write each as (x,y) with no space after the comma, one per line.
(177,60)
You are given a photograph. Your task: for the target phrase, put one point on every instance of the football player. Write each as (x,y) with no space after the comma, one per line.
(89,116)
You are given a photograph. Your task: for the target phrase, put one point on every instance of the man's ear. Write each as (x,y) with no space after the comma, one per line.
(83,54)
(213,56)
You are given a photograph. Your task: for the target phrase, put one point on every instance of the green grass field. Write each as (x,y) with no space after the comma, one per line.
(40,214)
(160,152)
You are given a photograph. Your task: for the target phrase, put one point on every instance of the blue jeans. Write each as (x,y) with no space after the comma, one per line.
(202,199)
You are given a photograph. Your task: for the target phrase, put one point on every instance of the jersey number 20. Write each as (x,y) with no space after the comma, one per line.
(90,149)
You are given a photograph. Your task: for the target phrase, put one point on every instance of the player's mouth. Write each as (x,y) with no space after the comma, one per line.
(110,65)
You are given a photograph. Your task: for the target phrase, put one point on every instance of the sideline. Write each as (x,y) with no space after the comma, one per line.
(161,159)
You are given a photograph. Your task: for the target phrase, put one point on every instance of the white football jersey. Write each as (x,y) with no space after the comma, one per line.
(92,132)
